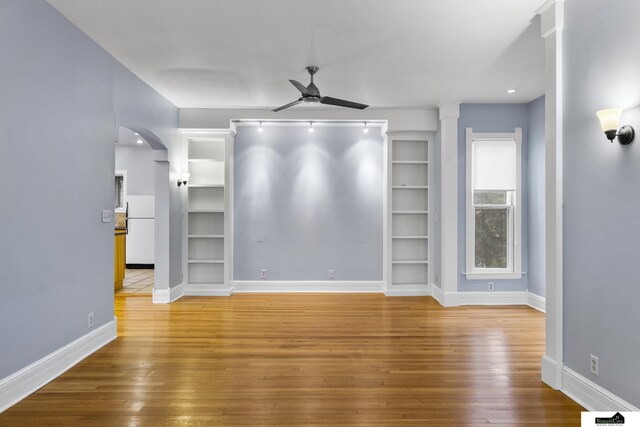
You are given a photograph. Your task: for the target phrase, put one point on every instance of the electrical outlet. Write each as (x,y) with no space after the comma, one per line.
(595,365)
(263,273)
(90,320)
(107,215)
(491,288)
(332,274)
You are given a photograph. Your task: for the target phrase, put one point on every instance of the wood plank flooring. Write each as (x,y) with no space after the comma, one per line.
(307,359)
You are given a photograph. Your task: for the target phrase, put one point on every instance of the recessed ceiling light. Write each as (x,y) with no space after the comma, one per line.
(512,90)
(139,141)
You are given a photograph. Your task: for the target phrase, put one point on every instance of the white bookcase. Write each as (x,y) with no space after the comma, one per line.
(208,223)
(410,201)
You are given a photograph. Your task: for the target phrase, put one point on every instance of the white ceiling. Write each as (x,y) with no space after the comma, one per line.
(386,53)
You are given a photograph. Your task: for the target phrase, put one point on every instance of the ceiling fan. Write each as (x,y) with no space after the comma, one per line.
(311,94)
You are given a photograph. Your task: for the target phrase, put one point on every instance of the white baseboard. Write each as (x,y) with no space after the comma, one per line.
(437,294)
(536,301)
(450,299)
(166,296)
(551,372)
(206,291)
(454,299)
(27,380)
(492,298)
(590,395)
(408,290)
(176,293)
(240,286)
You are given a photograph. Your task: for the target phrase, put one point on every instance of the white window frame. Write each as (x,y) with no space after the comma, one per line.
(514,265)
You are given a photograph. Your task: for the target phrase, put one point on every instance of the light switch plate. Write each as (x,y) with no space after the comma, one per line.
(107,215)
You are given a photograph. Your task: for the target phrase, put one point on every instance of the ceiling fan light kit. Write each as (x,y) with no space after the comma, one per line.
(311,94)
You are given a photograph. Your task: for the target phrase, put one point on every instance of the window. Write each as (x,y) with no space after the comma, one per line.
(121,190)
(493,205)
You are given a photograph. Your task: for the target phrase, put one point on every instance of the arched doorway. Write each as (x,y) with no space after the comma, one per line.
(159,206)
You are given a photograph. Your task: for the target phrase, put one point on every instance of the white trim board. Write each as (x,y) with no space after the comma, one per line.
(590,395)
(240,286)
(409,290)
(21,384)
(536,301)
(166,296)
(195,290)
(454,299)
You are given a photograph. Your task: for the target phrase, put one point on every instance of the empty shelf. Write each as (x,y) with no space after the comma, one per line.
(410,212)
(410,162)
(410,261)
(205,261)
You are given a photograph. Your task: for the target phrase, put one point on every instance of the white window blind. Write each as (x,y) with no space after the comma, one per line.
(494,165)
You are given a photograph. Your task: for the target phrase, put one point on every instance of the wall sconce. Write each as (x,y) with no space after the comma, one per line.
(610,122)
(184,177)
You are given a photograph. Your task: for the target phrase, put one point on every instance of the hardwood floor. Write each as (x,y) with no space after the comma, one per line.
(307,359)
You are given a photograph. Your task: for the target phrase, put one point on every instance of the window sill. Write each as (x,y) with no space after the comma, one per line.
(493,276)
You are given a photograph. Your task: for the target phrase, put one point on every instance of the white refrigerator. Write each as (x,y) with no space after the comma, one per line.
(140,240)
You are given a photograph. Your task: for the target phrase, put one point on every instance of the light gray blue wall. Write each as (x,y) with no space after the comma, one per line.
(536,197)
(602,195)
(305,203)
(492,118)
(140,167)
(57,134)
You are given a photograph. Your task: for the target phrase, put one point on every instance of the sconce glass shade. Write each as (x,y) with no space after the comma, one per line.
(610,119)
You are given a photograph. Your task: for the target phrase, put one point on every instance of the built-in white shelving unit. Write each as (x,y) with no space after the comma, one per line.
(409,209)
(208,226)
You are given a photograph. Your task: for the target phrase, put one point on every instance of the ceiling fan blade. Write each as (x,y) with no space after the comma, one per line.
(291,104)
(341,103)
(302,88)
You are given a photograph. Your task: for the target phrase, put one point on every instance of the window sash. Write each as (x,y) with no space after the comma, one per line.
(510,243)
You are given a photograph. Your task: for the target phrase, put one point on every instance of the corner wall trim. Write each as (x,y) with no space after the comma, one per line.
(240,286)
(176,293)
(591,395)
(166,296)
(551,372)
(536,301)
(438,294)
(27,380)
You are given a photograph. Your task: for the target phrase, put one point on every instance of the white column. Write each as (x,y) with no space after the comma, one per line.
(449,114)
(552,22)
(162,226)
